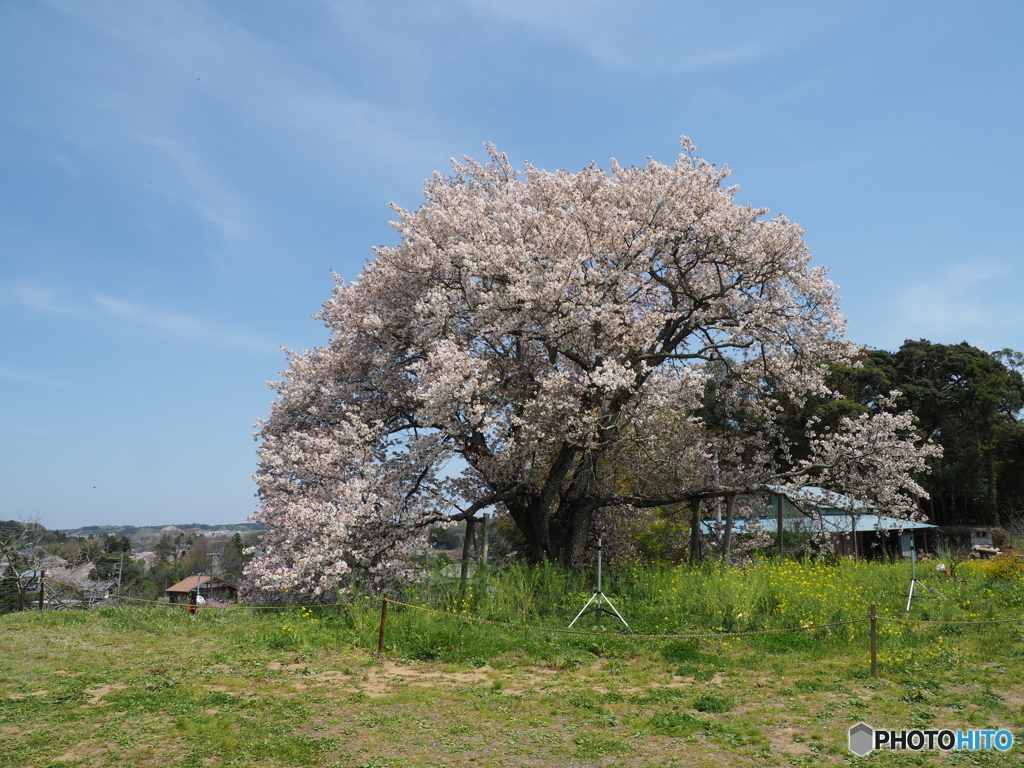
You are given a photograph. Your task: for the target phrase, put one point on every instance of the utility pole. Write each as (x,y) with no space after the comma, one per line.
(120,570)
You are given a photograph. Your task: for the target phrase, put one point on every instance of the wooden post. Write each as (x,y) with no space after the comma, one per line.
(383,623)
(42,577)
(874,640)
(730,510)
(778,522)
(467,544)
(853,533)
(486,543)
(695,548)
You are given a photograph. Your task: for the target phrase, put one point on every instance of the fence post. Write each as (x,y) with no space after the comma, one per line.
(42,578)
(383,623)
(467,544)
(874,640)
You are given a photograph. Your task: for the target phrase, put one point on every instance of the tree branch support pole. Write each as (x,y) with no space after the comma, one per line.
(695,553)
(467,544)
(778,522)
(42,578)
(485,553)
(853,534)
(730,511)
(383,624)
(486,545)
(874,640)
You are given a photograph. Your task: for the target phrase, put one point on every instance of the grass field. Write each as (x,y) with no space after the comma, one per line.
(155,686)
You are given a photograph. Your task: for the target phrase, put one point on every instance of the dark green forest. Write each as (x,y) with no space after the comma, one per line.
(968,401)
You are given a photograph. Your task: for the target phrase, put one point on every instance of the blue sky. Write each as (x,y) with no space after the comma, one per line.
(178,180)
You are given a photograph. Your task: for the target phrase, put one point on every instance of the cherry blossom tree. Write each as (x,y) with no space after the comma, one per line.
(542,343)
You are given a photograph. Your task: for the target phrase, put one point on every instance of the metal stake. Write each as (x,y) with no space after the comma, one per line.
(874,640)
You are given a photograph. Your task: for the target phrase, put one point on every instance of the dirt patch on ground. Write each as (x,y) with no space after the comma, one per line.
(384,679)
(782,741)
(96,694)
(279,667)
(331,674)
(90,750)
(1013,700)
(389,677)
(66,673)
(220,689)
(20,696)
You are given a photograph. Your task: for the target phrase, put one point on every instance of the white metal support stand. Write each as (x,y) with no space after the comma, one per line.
(914,581)
(599,598)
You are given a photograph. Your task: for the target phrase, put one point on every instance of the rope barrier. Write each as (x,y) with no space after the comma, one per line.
(872,618)
(948,621)
(529,627)
(625,634)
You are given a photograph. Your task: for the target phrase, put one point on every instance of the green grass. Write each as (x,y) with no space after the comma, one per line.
(301,687)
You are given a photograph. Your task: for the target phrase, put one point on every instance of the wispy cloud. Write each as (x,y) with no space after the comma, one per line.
(203,189)
(210,66)
(40,298)
(679,37)
(178,327)
(131,317)
(22,376)
(978,302)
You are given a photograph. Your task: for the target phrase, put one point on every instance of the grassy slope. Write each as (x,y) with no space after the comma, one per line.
(148,687)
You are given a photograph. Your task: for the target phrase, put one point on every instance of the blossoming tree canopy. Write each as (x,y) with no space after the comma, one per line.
(557,332)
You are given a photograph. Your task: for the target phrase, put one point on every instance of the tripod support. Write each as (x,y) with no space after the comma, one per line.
(914,581)
(598,599)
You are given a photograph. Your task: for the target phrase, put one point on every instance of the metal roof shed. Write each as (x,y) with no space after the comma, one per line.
(209,587)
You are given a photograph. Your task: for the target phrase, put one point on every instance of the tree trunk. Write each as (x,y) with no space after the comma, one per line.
(574,514)
(696,554)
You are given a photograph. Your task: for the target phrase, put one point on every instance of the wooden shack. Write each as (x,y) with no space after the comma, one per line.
(210,587)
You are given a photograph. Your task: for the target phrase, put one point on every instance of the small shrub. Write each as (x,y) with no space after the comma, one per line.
(589,746)
(659,696)
(708,702)
(785,642)
(679,651)
(586,701)
(1005,567)
(283,639)
(699,674)
(675,724)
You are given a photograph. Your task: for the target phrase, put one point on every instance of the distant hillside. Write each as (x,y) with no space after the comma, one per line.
(151,531)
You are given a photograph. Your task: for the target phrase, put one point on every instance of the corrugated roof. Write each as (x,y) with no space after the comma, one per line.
(828,524)
(820,498)
(187,585)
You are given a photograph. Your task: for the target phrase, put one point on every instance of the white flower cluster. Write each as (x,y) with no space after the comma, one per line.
(558,333)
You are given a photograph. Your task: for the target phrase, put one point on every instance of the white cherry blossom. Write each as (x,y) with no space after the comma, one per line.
(555,332)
